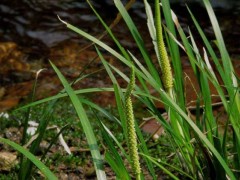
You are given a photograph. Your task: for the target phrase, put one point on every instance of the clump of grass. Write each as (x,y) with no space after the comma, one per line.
(200,150)
(182,139)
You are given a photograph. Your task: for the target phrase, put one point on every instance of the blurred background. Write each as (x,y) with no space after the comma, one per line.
(31,34)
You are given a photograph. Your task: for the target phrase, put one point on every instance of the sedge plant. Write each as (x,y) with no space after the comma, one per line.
(185,147)
(198,147)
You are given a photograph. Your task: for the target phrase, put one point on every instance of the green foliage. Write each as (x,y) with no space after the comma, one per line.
(97,159)
(31,157)
(196,149)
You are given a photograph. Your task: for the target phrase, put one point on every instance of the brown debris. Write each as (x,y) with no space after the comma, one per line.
(11,59)
(7,161)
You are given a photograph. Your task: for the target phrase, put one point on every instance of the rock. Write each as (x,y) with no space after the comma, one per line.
(11,59)
(7,161)
(13,134)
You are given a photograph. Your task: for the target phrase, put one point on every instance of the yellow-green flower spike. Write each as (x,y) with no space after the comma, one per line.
(167,78)
(132,137)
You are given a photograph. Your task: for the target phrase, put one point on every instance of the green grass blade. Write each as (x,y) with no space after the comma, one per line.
(98,42)
(224,54)
(44,169)
(117,91)
(102,110)
(111,135)
(151,26)
(206,94)
(208,46)
(112,155)
(143,69)
(62,95)
(163,164)
(200,135)
(175,55)
(138,39)
(87,128)
(161,167)
(196,64)
(113,158)
(25,126)
(55,138)
(108,29)
(120,171)
(26,165)
(144,149)
(231,81)
(118,95)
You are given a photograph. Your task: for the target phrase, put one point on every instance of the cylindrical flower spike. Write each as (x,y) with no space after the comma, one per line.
(132,137)
(167,78)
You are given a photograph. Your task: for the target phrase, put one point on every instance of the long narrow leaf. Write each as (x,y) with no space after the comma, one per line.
(138,39)
(87,128)
(44,169)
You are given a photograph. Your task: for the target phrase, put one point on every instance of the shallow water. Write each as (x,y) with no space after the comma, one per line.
(34,25)
(31,34)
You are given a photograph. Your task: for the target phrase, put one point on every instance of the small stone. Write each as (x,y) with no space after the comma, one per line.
(7,161)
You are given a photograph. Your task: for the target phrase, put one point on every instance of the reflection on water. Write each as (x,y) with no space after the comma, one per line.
(32,34)
(34,24)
